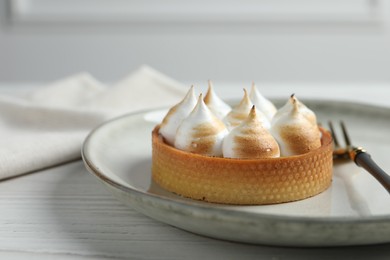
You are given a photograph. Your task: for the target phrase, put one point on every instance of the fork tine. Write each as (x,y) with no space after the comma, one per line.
(361,158)
(345,133)
(335,140)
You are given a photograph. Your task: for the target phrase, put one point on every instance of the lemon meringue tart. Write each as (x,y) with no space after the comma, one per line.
(249,164)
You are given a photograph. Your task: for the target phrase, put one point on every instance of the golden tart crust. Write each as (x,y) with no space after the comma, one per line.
(242,181)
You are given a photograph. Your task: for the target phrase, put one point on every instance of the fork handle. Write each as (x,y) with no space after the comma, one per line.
(363,159)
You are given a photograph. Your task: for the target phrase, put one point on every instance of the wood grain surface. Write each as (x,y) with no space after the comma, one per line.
(64,213)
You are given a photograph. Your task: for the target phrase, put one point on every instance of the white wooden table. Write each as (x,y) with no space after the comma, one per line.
(64,213)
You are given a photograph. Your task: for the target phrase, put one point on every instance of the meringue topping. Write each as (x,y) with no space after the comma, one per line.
(250,140)
(216,104)
(261,103)
(291,103)
(176,115)
(294,132)
(240,112)
(201,132)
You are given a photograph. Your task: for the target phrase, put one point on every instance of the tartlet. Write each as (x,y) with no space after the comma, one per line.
(242,181)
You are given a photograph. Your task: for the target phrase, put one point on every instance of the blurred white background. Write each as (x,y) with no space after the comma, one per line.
(277,41)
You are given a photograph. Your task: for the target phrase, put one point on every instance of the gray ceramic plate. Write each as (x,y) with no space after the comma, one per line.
(355,210)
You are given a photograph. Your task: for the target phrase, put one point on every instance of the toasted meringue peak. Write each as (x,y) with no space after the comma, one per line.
(216,104)
(250,140)
(176,115)
(240,112)
(201,132)
(295,133)
(290,104)
(261,103)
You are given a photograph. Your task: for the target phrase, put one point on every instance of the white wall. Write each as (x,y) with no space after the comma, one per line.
(303,50)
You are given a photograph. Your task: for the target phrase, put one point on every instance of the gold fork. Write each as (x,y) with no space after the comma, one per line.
(358,155)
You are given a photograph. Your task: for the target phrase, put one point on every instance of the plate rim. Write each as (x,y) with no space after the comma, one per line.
(94,170)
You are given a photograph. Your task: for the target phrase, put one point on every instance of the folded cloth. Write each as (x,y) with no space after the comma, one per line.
(47,126)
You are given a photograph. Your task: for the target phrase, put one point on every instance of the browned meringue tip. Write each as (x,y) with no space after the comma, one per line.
(246,95)
(209,93)
(199,101)
(245,99)
(252,112)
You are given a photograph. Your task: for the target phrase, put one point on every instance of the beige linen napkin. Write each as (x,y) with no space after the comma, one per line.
(47,127)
